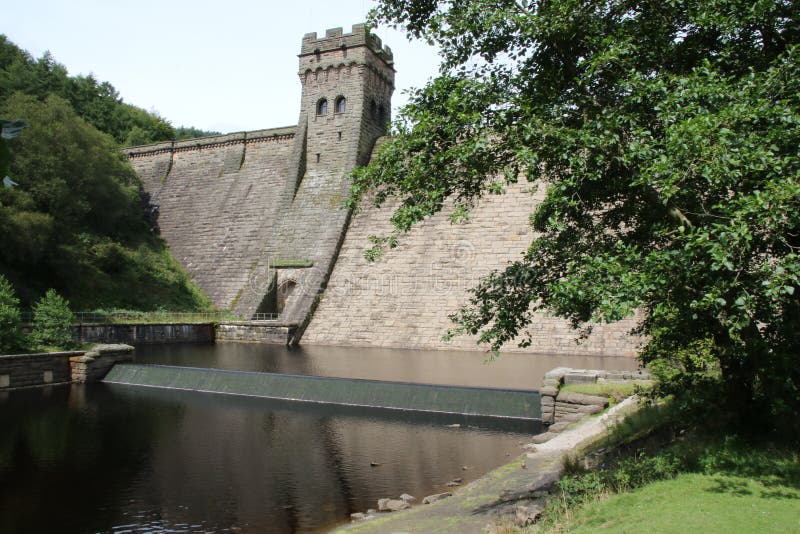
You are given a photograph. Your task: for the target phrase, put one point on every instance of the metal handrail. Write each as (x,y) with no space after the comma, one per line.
(264,316)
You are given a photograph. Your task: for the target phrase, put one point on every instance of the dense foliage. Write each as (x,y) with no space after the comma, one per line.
(74,221)
(666,134)
(9,318)
(189,132)
(98,103)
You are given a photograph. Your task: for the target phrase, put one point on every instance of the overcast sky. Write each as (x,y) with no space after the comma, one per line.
(225,66)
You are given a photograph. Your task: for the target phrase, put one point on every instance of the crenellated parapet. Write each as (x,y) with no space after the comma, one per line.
(335,39)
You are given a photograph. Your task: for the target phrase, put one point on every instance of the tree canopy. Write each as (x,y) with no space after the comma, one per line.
(74,220)
(666,134)
(98,103)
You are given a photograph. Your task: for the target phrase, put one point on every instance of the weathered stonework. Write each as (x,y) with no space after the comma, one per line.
(255,333)
(94,364)
(257,218)
(405,298)
(232,206)
(559,408)
(139,334)
(25,370)
(41,369)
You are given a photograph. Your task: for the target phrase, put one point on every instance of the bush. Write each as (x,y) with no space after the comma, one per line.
(52,323)
(9,317)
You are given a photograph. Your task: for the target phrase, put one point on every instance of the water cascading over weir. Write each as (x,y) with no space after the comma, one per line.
(412,397)
(257,218)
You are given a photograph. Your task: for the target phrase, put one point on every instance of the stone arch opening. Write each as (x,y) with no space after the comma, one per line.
(340,105)
(322,107)
(285,291)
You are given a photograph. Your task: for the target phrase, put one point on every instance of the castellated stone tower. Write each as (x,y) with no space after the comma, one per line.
(257,217)
(347,82)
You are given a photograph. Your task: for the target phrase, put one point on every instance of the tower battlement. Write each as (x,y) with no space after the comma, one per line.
(335,39)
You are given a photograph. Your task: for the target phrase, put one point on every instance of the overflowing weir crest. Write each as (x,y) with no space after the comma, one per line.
(484,402)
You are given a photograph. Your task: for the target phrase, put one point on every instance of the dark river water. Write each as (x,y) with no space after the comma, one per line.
(113,458)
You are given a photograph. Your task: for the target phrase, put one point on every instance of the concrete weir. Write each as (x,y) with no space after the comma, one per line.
(484,402)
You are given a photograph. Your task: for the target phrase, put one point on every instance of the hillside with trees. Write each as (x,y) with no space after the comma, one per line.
(71,214)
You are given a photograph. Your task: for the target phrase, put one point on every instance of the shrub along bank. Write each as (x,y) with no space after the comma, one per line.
(52,323)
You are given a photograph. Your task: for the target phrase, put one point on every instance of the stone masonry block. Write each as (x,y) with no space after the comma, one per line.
(581,377)
(580,398)
(548,391)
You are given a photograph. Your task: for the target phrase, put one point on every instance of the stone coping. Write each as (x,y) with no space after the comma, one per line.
(58,354)
(210,140)
(95,350)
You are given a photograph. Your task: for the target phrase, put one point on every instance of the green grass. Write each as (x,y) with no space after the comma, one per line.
(661,476)
(694,502)
(615,391)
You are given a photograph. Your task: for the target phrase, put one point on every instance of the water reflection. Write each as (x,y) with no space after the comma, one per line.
(512,370)
(101,458)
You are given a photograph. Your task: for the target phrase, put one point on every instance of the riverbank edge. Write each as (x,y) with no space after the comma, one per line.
(514,491)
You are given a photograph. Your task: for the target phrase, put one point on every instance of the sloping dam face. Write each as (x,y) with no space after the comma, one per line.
(486,402)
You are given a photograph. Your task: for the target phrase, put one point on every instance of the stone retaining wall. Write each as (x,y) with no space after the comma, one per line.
(93,365)
(23,370)
(255,333)
(565,407)
(138,334)
(41,369)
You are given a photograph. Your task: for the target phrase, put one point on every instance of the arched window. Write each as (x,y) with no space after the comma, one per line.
(373,110)
(341,104)
(382,118)
(322,107)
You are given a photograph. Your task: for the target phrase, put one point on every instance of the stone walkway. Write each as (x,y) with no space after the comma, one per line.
(513,492)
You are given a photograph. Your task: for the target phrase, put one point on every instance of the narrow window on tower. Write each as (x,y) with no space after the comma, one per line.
(322,107)
(341,105)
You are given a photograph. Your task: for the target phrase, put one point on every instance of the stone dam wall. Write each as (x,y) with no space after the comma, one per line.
(257,219)
(217,200)
(404,299)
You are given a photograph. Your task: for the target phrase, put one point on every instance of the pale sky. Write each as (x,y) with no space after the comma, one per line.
(224,65)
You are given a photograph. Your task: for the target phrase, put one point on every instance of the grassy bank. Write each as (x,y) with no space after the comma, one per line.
(693,502)
(656,475)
